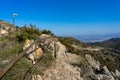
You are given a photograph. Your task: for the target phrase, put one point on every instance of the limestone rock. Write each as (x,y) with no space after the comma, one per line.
(6,28)
(62,71)
(92,61)
(36,77)
(117,73)
(52,44)
(44,36)
(2,32)
(108,75)
(61,52)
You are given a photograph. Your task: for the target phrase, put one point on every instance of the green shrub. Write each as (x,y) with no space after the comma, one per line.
(22,36)
(31,32)
(47,32)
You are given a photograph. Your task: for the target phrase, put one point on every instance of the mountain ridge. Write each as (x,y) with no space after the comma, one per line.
(113,43)
(75,60)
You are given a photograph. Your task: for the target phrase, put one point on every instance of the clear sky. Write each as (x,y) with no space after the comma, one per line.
(65,17)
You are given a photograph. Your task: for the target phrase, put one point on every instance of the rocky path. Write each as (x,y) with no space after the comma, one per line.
(63,70)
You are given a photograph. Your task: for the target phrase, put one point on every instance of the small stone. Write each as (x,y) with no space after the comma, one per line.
(5,62)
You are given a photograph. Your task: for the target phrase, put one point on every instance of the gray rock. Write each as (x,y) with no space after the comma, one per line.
(6,28)
(117,73)
(113,73)
(62,71)
(92,61)
(5,62)
(36,77)
(54,46)
(61,52)
(86,70)
(108,75)
(42,36)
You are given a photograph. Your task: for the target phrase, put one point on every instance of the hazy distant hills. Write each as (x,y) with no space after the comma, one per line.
(97,38)
(113,43)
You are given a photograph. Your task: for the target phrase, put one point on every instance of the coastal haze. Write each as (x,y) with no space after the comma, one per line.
(96,38)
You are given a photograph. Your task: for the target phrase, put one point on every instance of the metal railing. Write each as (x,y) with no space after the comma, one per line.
(4,71)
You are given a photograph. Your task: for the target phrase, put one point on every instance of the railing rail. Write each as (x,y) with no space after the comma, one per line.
(14,61)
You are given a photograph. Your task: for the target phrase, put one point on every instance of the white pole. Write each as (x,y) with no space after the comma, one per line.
(14,14)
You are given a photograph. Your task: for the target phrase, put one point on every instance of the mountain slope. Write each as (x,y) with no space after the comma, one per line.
(111,43)
(74,60)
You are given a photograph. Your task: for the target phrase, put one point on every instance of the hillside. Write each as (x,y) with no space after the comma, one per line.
(73,59)
(96,37)
(6,28)
(113,43)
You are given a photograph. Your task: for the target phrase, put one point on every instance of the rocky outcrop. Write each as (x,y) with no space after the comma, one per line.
(68,66)
(107,75)
(42,36)
(97,72)
(92,61)
(36,77)
(5,28)
(62,71)
(117,73)
(2,32)
(54,46)
(61,52)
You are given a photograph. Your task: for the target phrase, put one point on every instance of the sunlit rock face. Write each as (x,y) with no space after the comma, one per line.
(6,28)
(2,32)
(57,49)
(92,61)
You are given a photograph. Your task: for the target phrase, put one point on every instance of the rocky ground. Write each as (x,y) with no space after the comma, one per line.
(63,69)
(69,69)
(73,60)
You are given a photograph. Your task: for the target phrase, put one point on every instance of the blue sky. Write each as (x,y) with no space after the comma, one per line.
(65,17)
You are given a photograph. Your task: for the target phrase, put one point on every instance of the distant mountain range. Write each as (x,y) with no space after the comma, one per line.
(96,38)
(113,43)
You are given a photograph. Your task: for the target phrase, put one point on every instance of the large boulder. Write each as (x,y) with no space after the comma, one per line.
(54,46)
(61,52)
(42,36)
